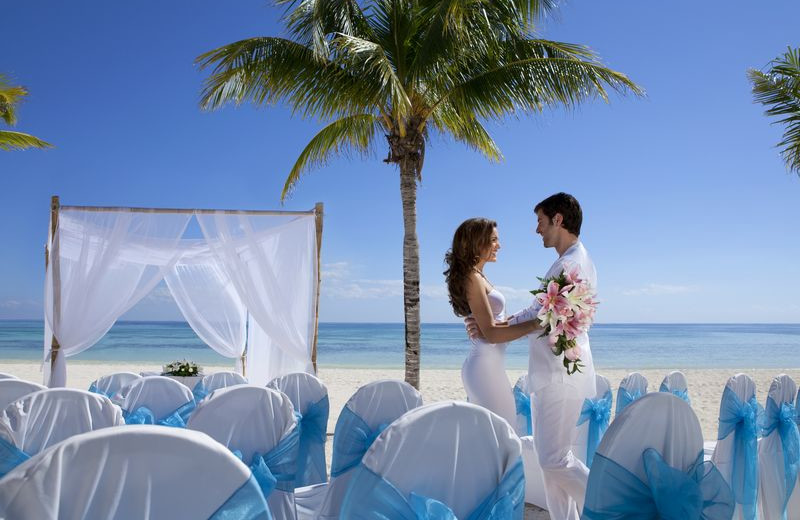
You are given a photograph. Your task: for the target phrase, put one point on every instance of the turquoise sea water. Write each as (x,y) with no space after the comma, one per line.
(445,345)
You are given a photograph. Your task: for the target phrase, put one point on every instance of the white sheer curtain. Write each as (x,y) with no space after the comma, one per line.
(107,261)
(209,302)
(271,262)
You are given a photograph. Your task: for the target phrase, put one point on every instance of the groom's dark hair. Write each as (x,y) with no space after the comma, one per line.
(569,208)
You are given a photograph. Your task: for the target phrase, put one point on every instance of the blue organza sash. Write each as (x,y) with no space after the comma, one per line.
(93,388)
(744,420)
(276,469)
(598,413)
(247,503)
(351,440)
(176,419)
(370,495)
(683,394)
(523,402)
(199,391)
(10,457)
(782,418)
(311,467)
(624,398)
(668,493)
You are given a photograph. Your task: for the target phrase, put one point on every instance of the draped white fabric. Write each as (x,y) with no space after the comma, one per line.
(107,262)
(256,267)
(268,262)
(209,302)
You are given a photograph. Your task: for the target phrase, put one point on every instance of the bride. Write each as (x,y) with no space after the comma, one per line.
(475,243)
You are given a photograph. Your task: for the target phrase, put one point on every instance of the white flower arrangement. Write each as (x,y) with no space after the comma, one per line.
(182,368)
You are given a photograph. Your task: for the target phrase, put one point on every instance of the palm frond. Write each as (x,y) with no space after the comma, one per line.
(467,130)
(312,22)
(267,70)
(10,97)
(351,134)
(533,74)
(779,89)
(18,141)
(366,59)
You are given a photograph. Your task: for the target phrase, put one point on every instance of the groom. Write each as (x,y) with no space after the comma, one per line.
(557,397)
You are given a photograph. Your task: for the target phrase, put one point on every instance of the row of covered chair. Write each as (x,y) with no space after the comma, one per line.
(373,450)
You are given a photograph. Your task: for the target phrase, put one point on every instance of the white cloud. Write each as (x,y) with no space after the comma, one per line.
(657,289)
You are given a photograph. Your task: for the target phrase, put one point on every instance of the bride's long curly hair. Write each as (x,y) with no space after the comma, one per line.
(472,238)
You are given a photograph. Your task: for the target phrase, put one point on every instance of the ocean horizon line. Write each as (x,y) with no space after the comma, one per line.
(459,323)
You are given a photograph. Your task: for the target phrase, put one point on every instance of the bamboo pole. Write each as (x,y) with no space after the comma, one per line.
(246,341)
(53,258)
(318,213)
(190,210)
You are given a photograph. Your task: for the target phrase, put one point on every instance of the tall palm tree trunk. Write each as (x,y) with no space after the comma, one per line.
(408,151)
(408,193)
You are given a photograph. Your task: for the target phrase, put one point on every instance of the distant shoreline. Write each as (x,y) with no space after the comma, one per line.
(609,323)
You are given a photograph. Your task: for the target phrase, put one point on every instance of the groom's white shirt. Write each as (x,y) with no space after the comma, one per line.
(543,367)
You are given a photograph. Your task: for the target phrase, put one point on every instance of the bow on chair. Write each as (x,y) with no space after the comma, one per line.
(352,439)
(598,413)
(10,456)
(625,398)
(783,419)
(276,469)
(176,419)
(700,493)
(745,421)
(371,493)
(313,425)
(523,403)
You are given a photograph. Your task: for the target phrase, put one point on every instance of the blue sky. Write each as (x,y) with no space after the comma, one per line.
(689,213)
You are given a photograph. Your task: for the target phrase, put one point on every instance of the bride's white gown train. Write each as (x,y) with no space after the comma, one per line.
(484,372)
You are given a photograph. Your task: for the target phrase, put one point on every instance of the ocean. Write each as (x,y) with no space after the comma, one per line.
(380,345)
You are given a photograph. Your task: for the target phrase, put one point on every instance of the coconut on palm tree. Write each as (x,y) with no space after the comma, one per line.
(10,97)
(406,70)
(779,89)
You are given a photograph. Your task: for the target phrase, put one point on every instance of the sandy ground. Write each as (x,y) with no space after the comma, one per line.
(705,386)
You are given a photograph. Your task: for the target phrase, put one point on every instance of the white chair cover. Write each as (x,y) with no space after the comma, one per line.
(724,452)
(675,383)
(111,384)
(772,471)
(13,389)
(668,425)
(161,395)
(632,387)
(251,420)
(418,454)
(44,418)
(3,375)
(216,381)
(378,404)
(129,473)
(309,397)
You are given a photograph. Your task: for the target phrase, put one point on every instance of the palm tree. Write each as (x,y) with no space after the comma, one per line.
(779,89)
(406,70)
(10,97)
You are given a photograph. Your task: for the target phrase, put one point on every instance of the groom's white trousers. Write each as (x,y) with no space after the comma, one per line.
(556,409)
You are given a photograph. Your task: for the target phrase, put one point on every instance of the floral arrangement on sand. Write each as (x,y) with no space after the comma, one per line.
(182,368)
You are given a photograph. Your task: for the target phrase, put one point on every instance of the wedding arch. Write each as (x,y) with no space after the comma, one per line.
(249,288)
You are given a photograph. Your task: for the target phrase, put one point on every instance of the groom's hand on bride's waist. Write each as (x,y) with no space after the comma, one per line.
(472,328)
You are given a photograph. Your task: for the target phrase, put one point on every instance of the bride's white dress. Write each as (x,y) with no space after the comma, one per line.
(484,372)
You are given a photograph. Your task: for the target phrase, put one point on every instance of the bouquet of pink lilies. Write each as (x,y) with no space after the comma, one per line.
(568,308)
